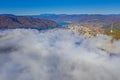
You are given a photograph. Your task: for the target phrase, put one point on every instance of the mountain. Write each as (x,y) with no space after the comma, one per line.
(80,17)
(83,19)
(12,21)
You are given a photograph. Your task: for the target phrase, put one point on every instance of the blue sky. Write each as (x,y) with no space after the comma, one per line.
(31,7)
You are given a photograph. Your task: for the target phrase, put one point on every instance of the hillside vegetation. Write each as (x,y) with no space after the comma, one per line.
(114,33)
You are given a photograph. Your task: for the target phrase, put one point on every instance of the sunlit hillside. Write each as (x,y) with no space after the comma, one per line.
(114,33)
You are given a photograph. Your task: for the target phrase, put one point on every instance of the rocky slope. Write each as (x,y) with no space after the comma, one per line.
(12,21)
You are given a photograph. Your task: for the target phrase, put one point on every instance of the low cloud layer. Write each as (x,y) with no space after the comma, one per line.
(28,54)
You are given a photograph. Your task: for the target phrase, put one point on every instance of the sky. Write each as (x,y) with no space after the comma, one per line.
(35,7)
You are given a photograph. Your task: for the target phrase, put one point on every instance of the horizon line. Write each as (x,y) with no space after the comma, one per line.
(61,14)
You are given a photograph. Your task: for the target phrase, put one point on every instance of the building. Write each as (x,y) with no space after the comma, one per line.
(89,31)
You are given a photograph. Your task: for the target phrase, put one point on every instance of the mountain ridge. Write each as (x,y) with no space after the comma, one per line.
(12,21)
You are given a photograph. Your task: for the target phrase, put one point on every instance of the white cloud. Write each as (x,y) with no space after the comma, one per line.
(56,55)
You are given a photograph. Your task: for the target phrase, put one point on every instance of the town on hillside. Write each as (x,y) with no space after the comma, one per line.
(87,31)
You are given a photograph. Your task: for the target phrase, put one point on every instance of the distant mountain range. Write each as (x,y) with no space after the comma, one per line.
(44,21)
(12,21)
(83,19)
(80,17)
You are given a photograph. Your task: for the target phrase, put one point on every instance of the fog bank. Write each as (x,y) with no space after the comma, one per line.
(28,54)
